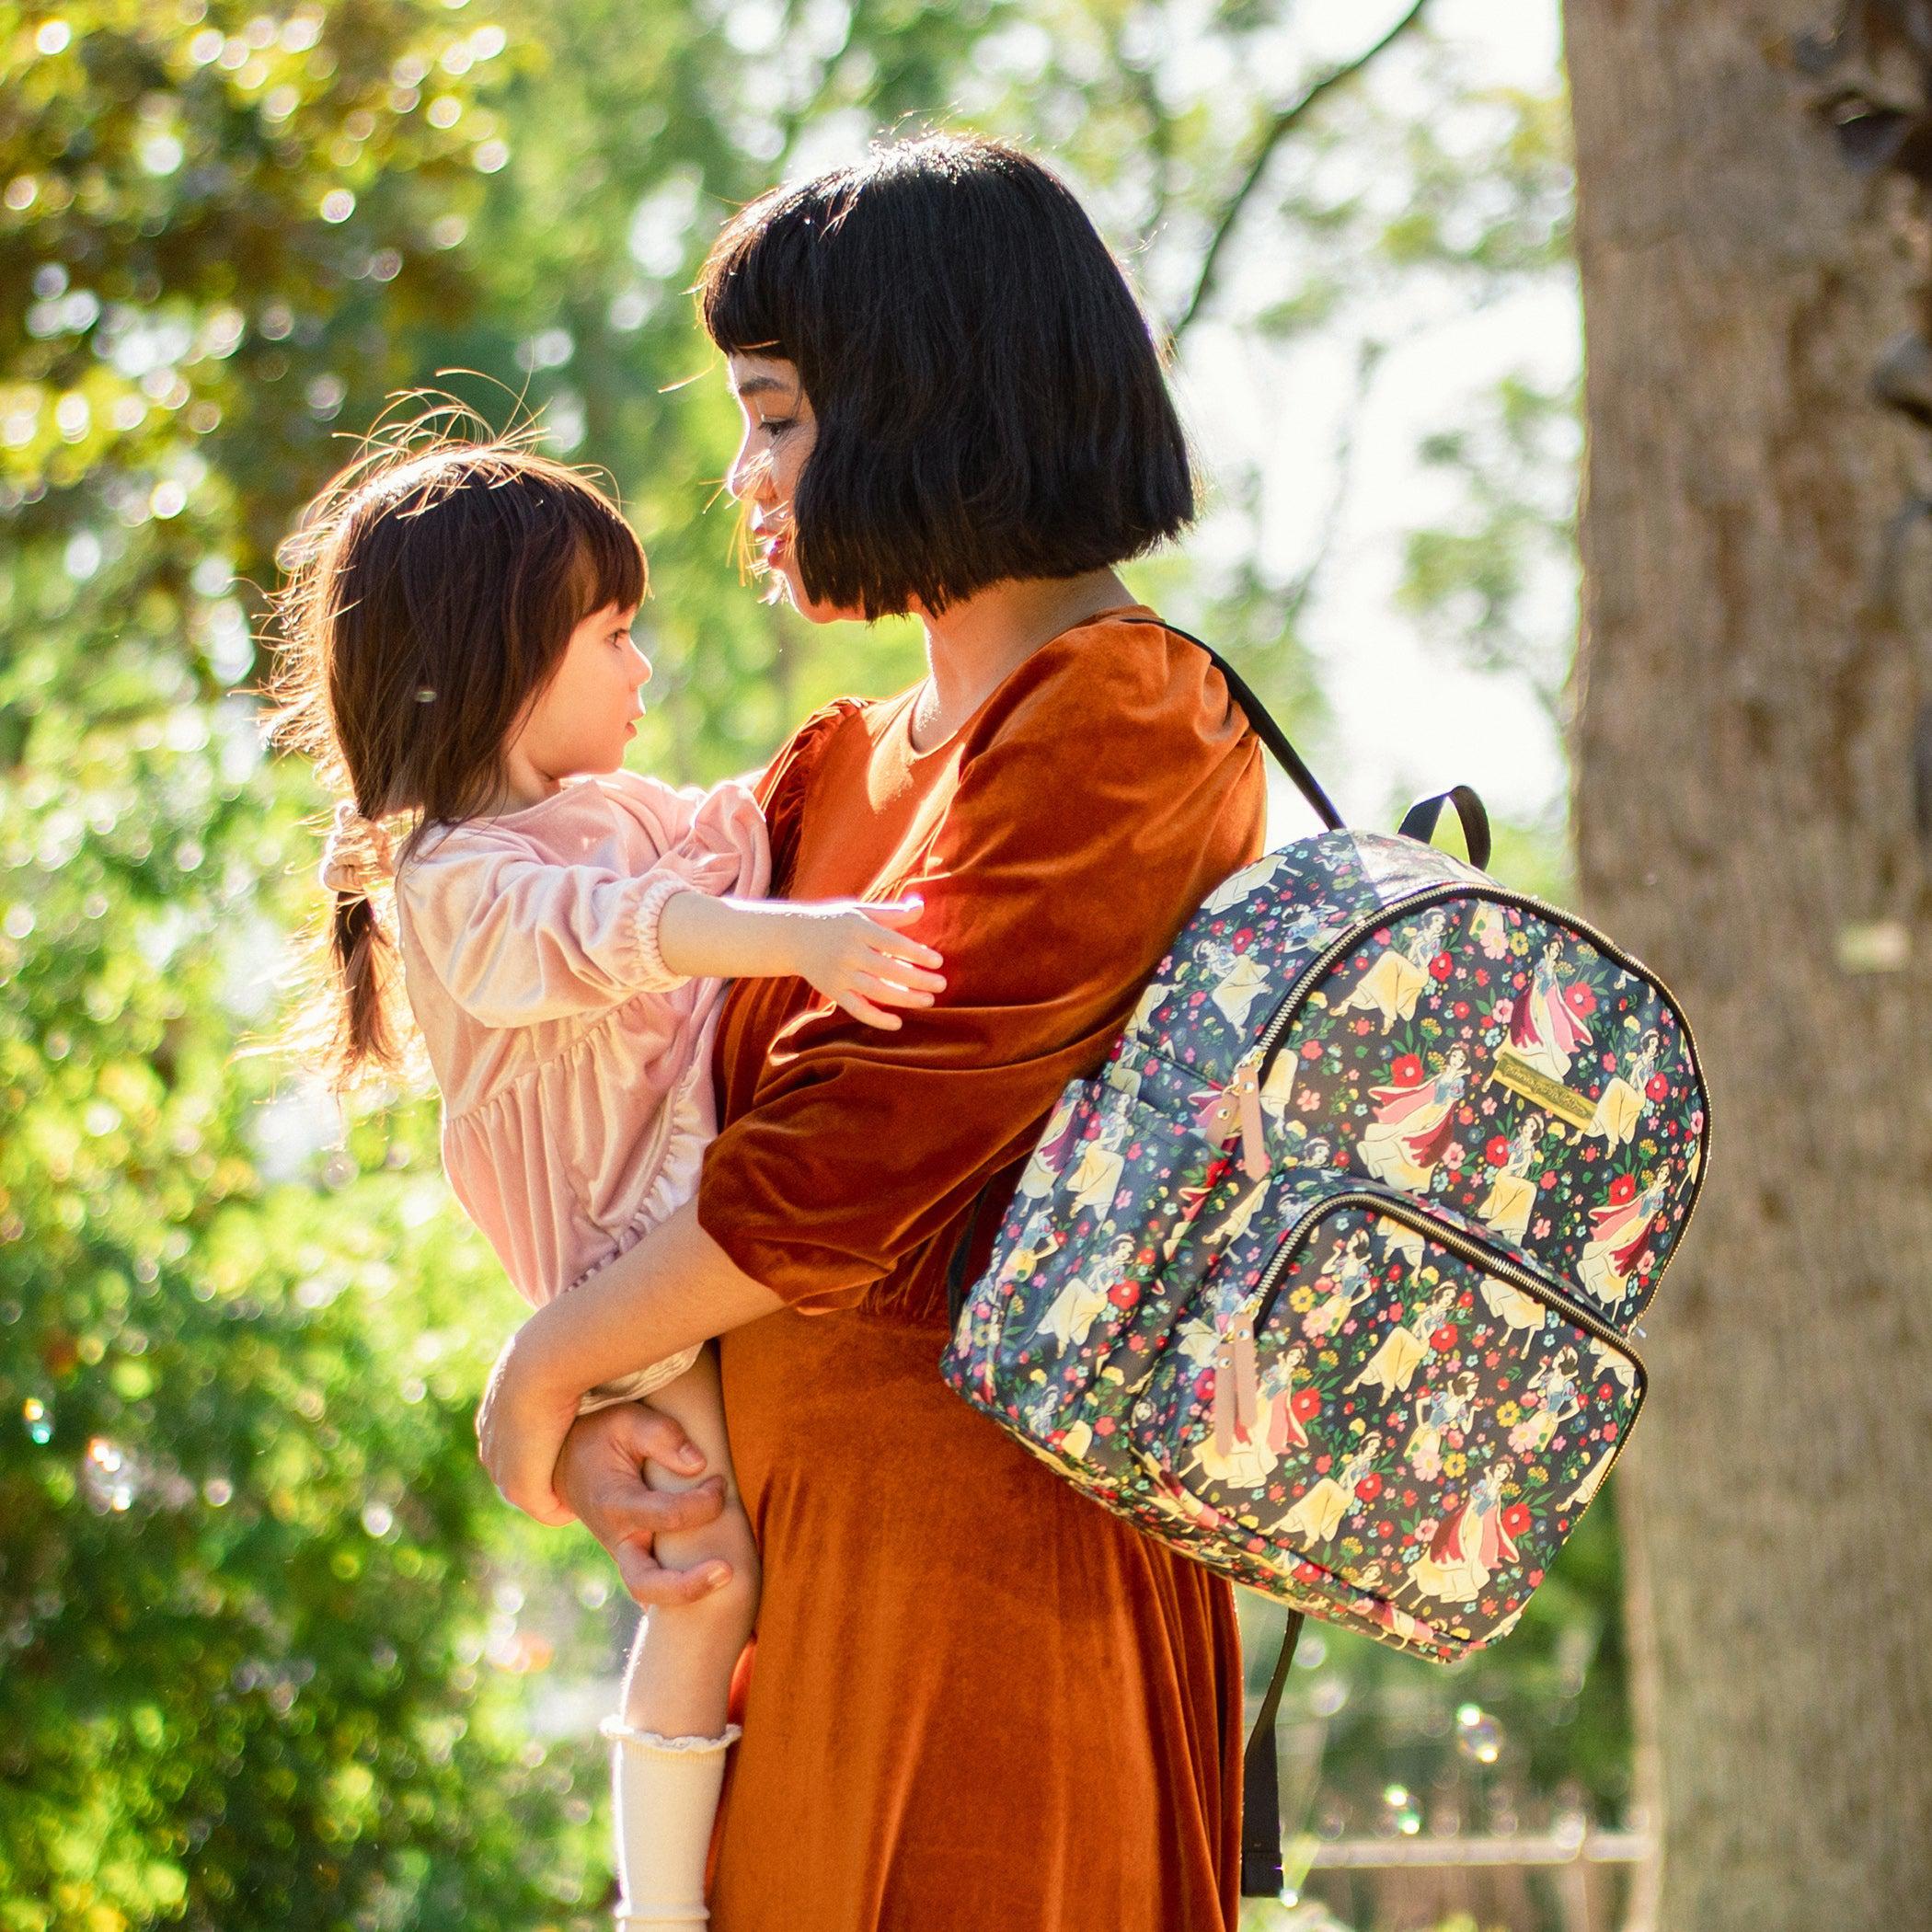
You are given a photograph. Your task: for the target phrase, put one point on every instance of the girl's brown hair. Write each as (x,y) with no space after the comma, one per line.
(431,591)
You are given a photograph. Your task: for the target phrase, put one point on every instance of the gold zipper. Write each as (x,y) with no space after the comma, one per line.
(1476,1253)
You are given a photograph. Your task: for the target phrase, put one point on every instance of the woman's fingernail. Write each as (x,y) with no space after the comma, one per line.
(715,1575)
(690,1458)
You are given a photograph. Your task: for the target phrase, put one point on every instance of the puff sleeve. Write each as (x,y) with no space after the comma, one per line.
(517,937)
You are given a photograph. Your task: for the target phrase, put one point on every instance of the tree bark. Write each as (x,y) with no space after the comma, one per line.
(1746,700)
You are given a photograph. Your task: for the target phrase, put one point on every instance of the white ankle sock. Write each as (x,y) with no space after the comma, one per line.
(664,1793)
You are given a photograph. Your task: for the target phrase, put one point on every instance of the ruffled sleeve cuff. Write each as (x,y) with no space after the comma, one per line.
(653,974)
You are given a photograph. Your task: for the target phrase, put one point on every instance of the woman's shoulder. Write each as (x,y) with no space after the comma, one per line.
(1122,684)
(781,790)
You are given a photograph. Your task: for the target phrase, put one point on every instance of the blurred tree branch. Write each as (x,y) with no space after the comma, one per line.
(1277,131)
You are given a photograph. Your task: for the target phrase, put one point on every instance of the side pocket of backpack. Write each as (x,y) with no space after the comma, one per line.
(1080,1271)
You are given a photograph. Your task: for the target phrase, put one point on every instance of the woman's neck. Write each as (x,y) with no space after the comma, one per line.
(977,643)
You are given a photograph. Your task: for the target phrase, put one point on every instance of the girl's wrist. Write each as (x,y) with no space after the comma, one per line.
(723,939)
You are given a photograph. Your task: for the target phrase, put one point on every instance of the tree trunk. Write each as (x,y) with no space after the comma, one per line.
(1744,820)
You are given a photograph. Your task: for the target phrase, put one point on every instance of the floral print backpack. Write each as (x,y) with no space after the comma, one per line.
(1329,1278)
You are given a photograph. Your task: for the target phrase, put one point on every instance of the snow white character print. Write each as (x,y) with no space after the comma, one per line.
(1393,984)
(1619,1232)
(1414,1120)
(1512,1198)
(1072,1312)
(1241,980)
(1553,1385)
(1347,1282)
(1627,1097)
(1546,1028)
(1437,1411)
(1318,1515)
(1405,1346)
(1095,1176)
(1474,1543)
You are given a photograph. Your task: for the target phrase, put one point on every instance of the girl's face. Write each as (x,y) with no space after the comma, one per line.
(779,430)
(583,718)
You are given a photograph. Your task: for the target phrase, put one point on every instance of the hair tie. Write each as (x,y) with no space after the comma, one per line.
(357,852)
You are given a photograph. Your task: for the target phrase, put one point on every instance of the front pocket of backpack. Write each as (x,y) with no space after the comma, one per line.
(1415,1414)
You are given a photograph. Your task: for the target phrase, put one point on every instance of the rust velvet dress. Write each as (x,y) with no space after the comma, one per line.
(976,1701)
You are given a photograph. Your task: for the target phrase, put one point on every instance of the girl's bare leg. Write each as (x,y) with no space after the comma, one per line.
(669,1742)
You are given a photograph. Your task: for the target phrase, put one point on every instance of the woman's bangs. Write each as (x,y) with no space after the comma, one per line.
(748,295)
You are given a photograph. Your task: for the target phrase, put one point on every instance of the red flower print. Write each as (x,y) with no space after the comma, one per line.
(1623,1189)
(1516,1518)
(1124,1294)
(1308,1572)
(1496,1149)
(1609,1432)
(1104,1426)
(1441,967)
(1406,1071)
(1204,1384)
(1408,1499)
(1657,1088)
(1482,976)
(1461,1009)
(1549,1180)
(1369,1488)
(1609,1063)
(1534,1577)
(1579,999)
(1304,1405)
(1443,1339)
(1466,1300)
(1382,936)
(1311,1049)
(1322,1464)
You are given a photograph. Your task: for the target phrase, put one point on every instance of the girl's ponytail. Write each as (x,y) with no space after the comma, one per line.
(356,862)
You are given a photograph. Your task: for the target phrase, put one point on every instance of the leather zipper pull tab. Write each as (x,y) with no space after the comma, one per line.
(1247,1388)
(1222,1407)
(1247,1092)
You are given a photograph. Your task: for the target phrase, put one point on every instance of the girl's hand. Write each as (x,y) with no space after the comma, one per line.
(851,953)
(520,1425)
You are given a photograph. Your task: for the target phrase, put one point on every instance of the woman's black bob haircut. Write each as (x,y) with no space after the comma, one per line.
(989,400)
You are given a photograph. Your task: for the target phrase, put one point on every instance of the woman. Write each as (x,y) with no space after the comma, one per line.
(975,1699)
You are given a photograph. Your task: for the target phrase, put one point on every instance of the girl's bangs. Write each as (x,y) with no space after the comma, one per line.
(607,566)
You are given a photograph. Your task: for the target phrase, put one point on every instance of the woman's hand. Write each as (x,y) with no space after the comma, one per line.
(520,1425)
(601,1475)
(850,951)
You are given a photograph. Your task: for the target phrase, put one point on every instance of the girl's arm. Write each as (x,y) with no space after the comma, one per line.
(516,939)
(850,952)
(673,1288)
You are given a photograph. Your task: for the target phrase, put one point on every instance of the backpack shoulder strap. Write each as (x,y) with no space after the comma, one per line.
(1266,730)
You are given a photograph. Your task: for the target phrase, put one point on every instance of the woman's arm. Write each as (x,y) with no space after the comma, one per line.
(674,1288)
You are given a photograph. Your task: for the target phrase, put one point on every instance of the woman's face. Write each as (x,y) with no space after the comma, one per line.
(779,430)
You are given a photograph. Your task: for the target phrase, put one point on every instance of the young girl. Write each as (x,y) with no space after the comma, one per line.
(459,662)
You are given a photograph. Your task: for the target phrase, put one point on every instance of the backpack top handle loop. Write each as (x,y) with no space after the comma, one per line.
(1266,730)
(1420,822)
